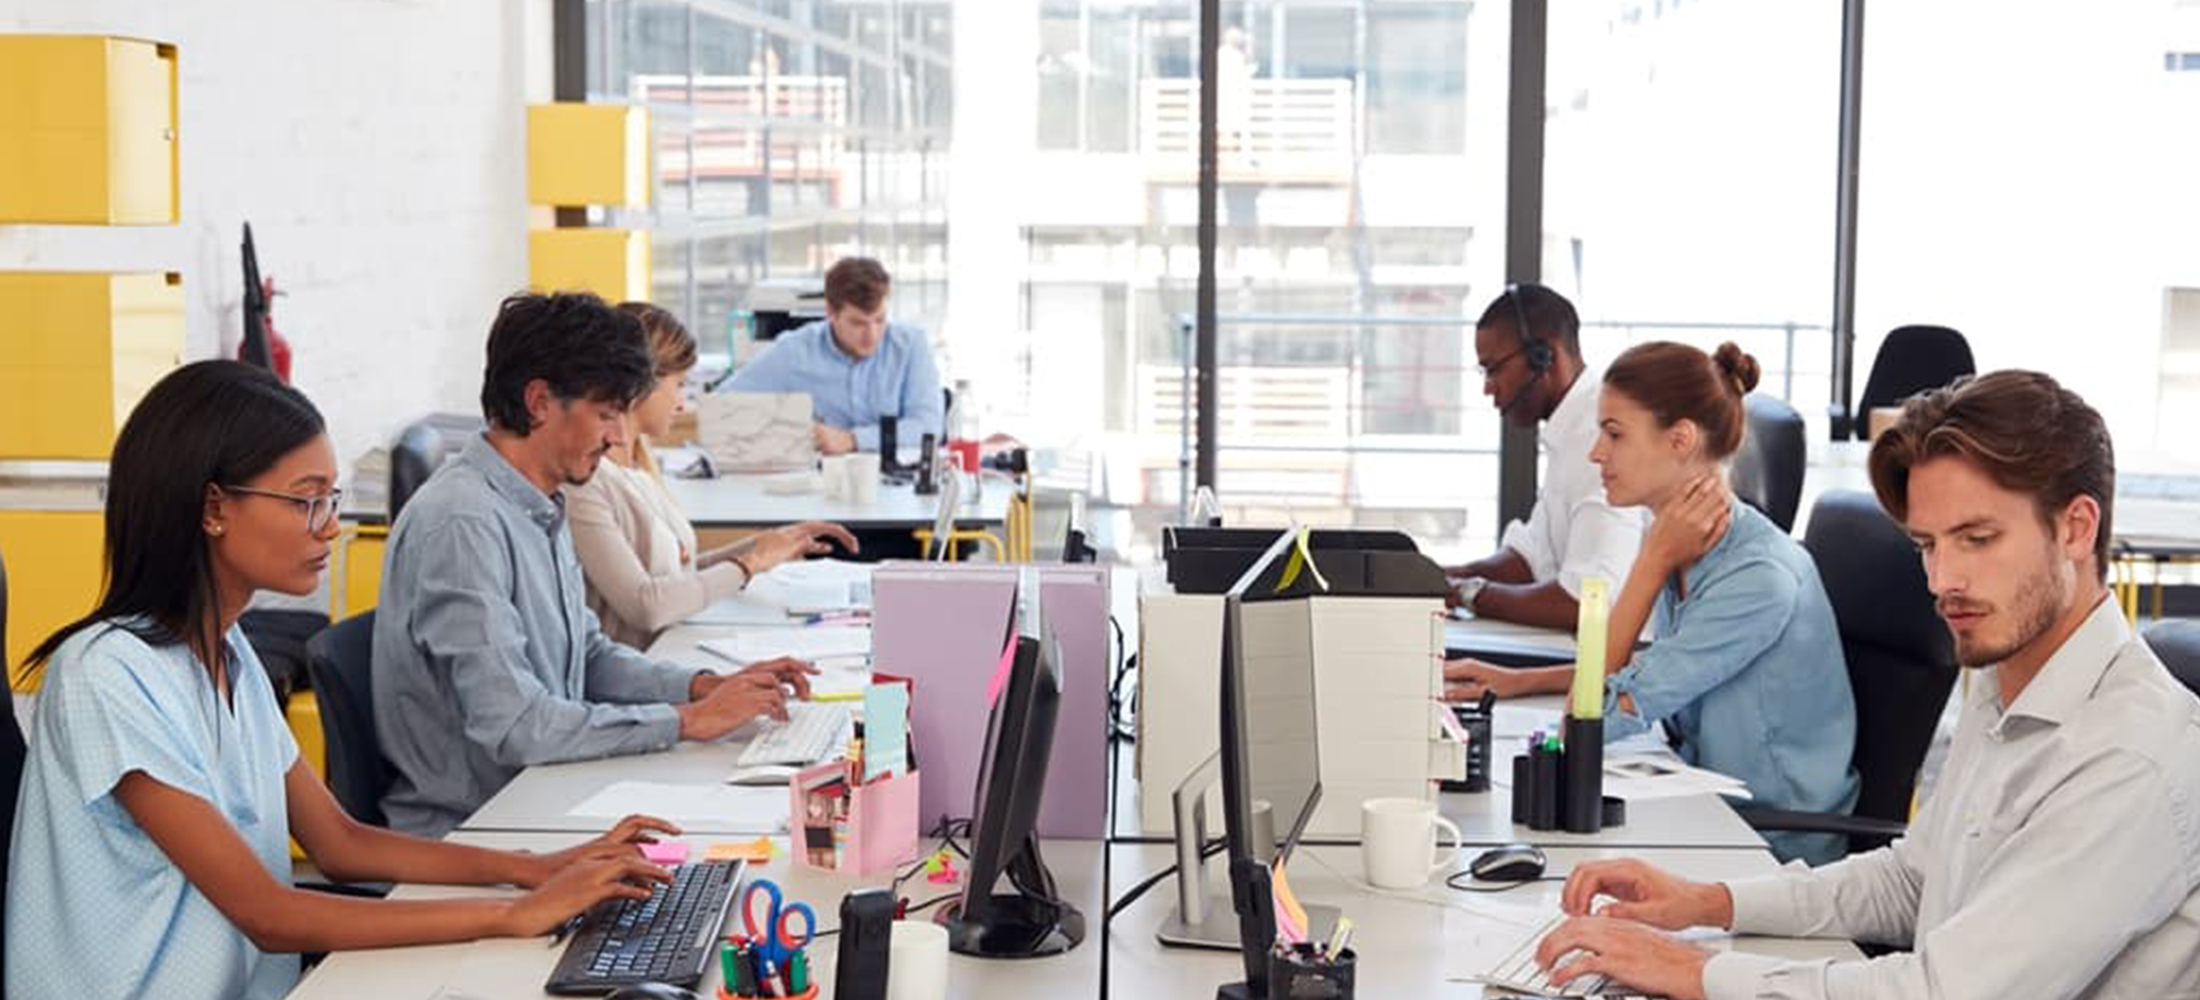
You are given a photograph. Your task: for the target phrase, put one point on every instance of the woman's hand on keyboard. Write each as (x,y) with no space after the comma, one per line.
(728,705)
(576,888)
(1642,891)
(622,841)
(1630,954)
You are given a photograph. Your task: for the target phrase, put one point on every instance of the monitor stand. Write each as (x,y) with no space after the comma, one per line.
(1017,925)
(1204,919)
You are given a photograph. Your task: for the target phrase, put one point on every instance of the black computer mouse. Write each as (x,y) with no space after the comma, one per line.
(651,991)
(1510,863)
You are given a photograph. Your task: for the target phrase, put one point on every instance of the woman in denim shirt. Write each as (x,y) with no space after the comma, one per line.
(1745,669)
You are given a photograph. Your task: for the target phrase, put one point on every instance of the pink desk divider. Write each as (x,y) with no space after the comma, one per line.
(873,831)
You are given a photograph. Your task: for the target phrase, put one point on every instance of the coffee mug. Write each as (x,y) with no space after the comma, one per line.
(916,961)
(862,473)
(835,472)
(1398,842)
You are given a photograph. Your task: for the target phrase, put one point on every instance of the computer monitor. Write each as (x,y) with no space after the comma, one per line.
(1033,920)
(1270,752)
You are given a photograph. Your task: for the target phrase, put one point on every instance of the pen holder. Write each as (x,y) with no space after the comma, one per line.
(1582,802)
(1475,722)
(859,830)
(1299,974)
(808,994)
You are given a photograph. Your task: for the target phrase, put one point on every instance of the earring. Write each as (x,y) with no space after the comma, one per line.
(217,529)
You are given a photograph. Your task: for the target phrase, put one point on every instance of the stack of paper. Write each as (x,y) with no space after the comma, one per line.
(731,808)
(812,643)
(1662,776)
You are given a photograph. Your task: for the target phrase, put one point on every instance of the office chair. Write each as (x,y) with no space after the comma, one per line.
(341,661)
(12,751)
(421,448)
(2177,645)
(1901,662)
(1911,360)
(1767,472)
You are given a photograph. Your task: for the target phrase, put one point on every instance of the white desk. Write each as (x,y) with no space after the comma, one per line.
(505,968)
(1403,939)
(740,501)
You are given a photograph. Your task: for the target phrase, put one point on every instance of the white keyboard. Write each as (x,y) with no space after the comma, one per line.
(1518,972)
(812,732)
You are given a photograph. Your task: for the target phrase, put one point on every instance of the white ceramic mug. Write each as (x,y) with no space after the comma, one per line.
(862,473)
(916,961)
(1398,842)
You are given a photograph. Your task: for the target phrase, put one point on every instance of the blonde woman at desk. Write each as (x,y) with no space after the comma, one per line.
(150,855)
(637,550)
(1746,668)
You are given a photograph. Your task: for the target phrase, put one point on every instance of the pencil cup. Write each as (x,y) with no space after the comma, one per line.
(1301,973)
(916,961)
(808,994)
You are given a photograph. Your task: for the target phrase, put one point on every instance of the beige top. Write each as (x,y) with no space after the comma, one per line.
(637,551)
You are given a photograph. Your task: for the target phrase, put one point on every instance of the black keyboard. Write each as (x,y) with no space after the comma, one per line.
(667,938)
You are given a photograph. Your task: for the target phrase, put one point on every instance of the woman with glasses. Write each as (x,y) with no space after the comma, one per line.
(637,550)
(161,790)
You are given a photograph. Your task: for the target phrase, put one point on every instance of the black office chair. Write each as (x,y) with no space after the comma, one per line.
(1768,470)
(421,448)
(1911,360)
(1901,663)
(341,660)
(2177,645)
(12,751)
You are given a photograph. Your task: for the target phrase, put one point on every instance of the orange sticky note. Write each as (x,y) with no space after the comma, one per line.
(758,851)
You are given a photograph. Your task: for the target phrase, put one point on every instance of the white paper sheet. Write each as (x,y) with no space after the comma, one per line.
(735,809)
(1636,777)
(807,643)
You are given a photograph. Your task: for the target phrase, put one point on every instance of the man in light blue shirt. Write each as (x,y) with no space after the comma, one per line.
(486,657)
(855,365)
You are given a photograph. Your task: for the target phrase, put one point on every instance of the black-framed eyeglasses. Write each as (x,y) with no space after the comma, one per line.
(1491,369)
(320,510)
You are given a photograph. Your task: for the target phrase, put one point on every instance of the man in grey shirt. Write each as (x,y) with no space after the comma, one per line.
(486,657)
(2059,855)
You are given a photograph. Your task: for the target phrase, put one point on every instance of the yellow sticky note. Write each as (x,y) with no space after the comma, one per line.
(1589,649)
(759,850)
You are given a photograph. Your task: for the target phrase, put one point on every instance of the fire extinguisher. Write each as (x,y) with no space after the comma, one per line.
(261,344)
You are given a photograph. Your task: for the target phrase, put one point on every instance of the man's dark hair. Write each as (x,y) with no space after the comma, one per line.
(2023,429)
(857,281)
(576,342)
(1550,317)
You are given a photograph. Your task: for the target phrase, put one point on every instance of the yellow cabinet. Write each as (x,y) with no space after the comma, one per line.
(81,350)
(54,566)
(613,263)
(588,154)
(362,589)
(87,130)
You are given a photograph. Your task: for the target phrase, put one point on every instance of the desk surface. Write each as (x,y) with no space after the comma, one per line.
(740,501)
(1405,940)
(516,967)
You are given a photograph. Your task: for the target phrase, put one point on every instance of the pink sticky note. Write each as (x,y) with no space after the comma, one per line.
(665,852)
(1000,673)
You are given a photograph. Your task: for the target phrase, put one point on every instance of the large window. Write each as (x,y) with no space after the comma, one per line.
(788,134)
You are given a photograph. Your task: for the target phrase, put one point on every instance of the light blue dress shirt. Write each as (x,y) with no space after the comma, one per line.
(95,908)
(486,657)
(898,380)
(1747,672)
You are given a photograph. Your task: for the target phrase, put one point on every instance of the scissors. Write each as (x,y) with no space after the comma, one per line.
(776,937)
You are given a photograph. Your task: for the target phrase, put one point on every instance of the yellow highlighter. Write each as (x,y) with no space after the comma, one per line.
(1589,648)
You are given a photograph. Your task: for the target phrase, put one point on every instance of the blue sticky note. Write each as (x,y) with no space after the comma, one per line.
(885,730)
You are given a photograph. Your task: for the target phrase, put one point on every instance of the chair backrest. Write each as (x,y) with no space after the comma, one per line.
(1767,473)
(1901,657)
(1911,360)
(420,450)
(2177,645)
(341,659)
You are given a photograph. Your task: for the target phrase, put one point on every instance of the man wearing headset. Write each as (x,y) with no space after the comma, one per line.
(1528,345)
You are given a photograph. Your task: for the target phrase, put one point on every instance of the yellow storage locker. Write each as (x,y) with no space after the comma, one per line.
(588,154)
(54,567)
(87,130)
(613,263)
(362,589)
(82,349)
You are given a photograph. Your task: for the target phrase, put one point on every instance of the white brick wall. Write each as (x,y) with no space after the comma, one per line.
(377,148)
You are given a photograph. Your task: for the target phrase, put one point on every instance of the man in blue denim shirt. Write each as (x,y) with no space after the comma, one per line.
(486,657)
(855,365)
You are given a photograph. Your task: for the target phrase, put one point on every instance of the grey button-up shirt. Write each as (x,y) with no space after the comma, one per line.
(486,657)
(2058,857)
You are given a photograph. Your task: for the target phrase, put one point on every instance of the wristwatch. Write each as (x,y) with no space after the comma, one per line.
(1469,589)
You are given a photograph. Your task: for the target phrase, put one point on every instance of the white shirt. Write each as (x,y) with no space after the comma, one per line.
(2058,857)
(1572,533)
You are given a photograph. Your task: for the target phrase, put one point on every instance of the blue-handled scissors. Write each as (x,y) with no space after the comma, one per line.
(776,935)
